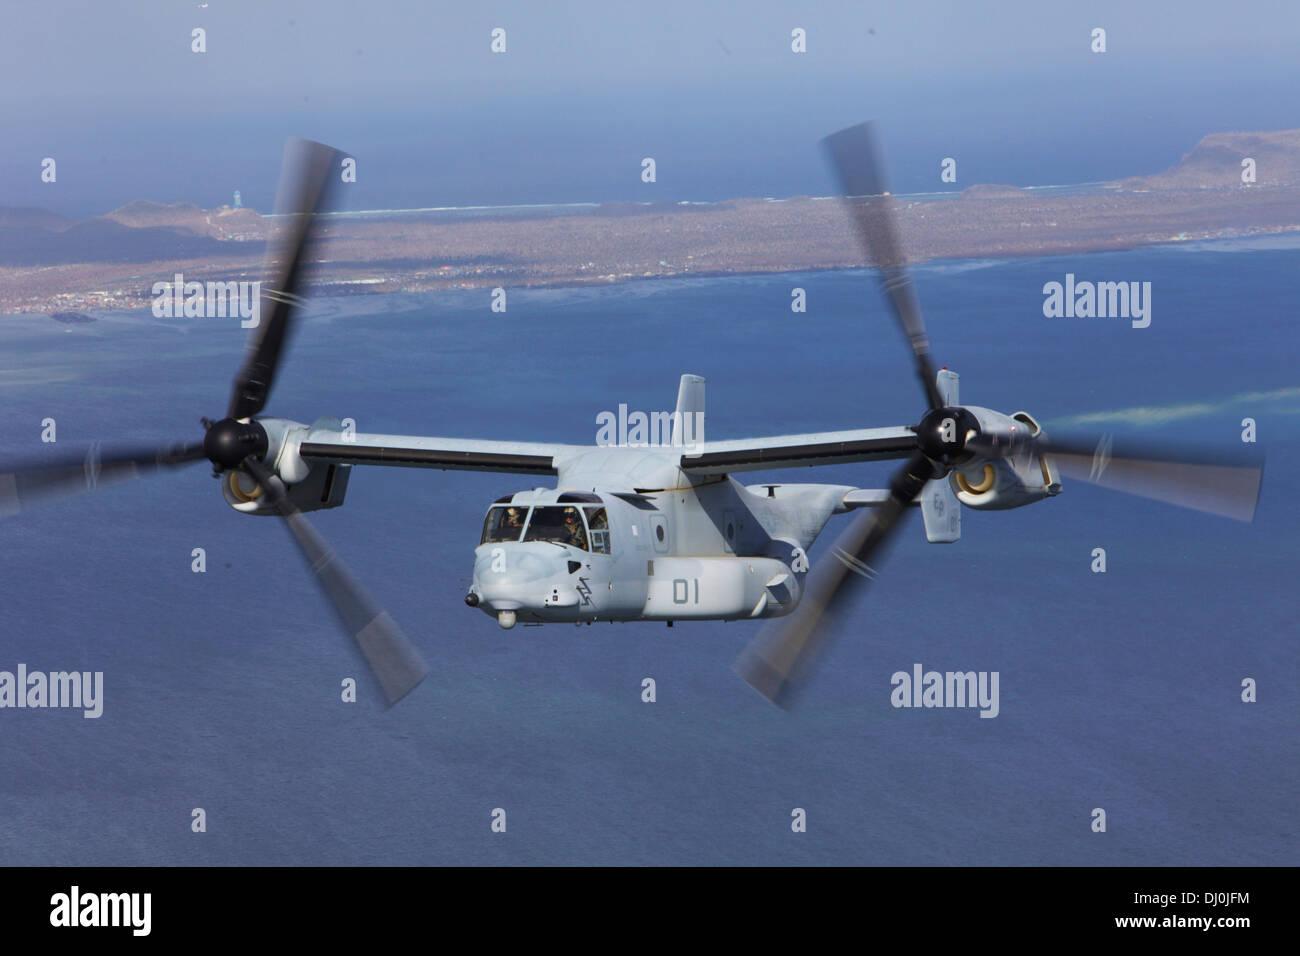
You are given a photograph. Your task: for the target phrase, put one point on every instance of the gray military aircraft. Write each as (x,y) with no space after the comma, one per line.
(651,532)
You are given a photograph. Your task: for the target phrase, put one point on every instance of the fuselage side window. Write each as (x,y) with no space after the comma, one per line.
(562,524)
(598,522)
(504,524)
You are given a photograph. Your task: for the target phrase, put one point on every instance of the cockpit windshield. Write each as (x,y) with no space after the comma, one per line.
(504,523)
(579,526)
(599,525)
(562,524)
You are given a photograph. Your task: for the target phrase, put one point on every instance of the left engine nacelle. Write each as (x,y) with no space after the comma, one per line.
(1012,482)
(324,487)
(309,488)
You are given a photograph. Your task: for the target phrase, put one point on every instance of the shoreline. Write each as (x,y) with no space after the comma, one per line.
(612,244)
(336,290)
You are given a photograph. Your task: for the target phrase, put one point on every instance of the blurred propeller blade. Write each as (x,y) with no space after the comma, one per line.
(25,484)
(1226,485)
(393,659)
(775,659)
(855,154)
(306,173)
(1217,483)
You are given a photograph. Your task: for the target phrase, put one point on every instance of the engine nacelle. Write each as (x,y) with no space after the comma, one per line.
(310,489)
(1020,478)
(324,487)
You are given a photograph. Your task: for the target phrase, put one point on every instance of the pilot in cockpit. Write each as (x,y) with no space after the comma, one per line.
(574,534)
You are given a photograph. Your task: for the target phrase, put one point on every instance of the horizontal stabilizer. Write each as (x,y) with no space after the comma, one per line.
(868,498)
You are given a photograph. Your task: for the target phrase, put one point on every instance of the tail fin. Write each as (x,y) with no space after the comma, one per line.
(688,422)
(949,382)
(939,505)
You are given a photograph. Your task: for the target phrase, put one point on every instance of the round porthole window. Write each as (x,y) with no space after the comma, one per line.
(659,532)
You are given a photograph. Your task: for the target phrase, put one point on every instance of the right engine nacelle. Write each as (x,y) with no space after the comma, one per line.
(1012,482)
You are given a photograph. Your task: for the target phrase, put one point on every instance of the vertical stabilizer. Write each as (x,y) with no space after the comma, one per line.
(688,422)
(948,382)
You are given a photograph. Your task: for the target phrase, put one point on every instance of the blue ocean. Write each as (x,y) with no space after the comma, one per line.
(1119,690)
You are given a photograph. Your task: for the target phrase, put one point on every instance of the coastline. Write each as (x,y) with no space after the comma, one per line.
(420,251)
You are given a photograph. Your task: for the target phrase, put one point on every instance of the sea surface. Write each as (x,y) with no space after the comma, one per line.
(1120,691)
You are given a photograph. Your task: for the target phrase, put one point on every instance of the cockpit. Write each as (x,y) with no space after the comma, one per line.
(576,520)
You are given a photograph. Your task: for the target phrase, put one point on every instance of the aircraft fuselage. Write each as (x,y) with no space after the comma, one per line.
(702,549)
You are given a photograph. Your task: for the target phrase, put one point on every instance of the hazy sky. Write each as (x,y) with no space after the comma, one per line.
(712,90)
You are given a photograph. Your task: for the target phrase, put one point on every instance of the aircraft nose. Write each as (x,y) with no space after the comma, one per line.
(515,565)
(510,577)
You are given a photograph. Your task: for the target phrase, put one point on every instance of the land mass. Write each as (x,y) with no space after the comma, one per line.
(51,264)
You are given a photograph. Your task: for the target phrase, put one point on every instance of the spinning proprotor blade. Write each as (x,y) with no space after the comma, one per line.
(237,442)
(947,437)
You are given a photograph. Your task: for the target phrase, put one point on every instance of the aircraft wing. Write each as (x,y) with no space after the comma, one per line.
(412,451)
(795,451)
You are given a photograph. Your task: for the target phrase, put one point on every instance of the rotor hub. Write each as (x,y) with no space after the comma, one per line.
(944,432)
(229,441)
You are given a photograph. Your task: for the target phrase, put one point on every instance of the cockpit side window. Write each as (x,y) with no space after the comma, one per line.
(562,524)
(598,522)
(504,523)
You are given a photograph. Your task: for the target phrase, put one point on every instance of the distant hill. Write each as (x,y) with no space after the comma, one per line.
(220,223)
(140,231)
(1215,162)
(143,212)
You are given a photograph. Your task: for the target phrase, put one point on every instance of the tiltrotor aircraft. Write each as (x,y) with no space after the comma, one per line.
(652,533)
